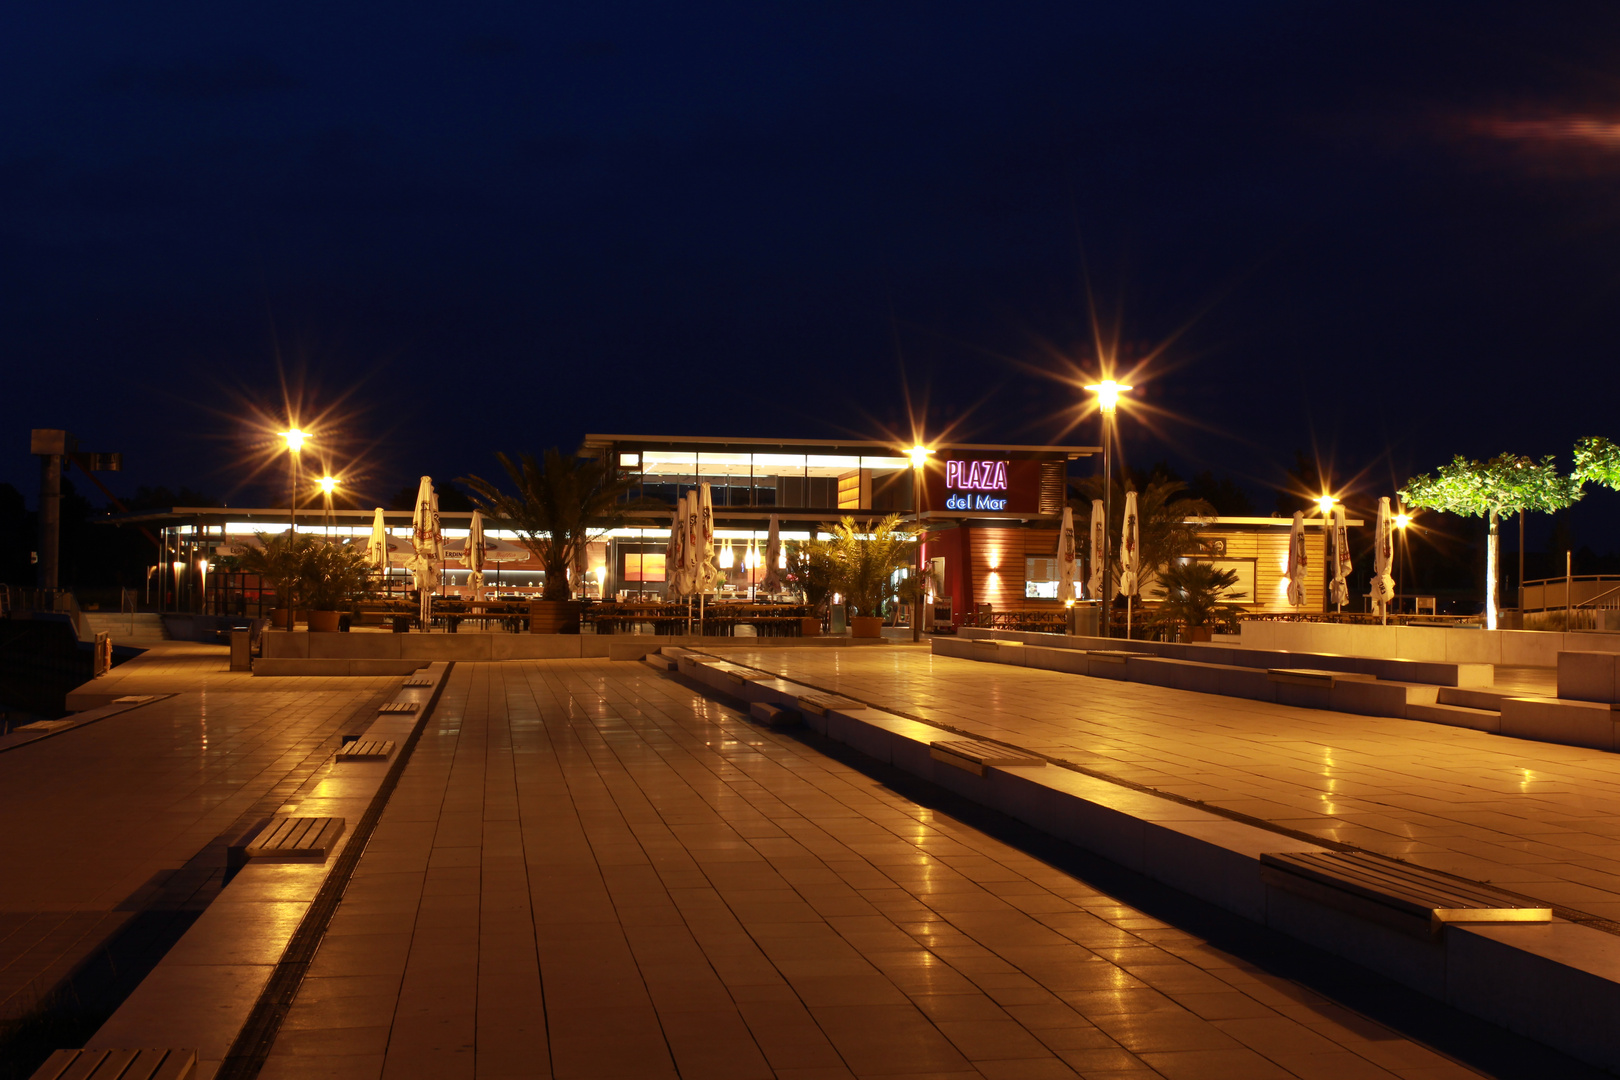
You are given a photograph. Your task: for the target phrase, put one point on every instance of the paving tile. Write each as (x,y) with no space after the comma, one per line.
(588,870)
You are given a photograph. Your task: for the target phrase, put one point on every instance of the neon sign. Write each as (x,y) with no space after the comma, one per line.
(966,483)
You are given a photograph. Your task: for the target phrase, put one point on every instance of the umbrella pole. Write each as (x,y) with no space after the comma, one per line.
(1127,618)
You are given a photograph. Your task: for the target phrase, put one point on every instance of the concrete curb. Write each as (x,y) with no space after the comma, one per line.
(203,991)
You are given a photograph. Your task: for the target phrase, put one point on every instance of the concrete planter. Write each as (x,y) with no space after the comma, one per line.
(554,617)
(866,626)
(325,622)
(278,618)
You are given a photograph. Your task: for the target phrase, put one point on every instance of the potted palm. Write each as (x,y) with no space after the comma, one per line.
(563,502)
(1194,595)
(279,561)
(335,576)
(865,558)
(810,572)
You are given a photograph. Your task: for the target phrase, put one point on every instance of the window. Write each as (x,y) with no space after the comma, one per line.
(1040,577)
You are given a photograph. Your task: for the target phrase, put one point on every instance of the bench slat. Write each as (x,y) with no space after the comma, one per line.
(144,1064)
(821,704)
(399,707)
(366,750)
(297,838)
(1413,896)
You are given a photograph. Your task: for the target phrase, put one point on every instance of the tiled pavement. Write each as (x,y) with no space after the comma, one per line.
(1539,818)
(589,870)
(116,829)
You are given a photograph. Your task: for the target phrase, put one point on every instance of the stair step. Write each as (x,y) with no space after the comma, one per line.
(1489,700)
(1457,716)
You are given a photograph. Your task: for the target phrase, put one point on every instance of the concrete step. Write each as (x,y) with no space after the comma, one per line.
(1457,716)
(1490,700)
(126,626)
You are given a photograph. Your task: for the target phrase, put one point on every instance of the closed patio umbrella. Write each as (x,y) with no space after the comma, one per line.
(1296,560)
(427,544)
(1342,562)
(773,560)
(1095,586)
(1383,585)
(472,554)
(1130,557)
(1065,556)
(707,565)
(377,545)
(675,554)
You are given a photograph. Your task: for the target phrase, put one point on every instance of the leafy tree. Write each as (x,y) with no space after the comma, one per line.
(1506,484)
(337,575)
(280,560)
(1193,591)
(560,506)
(1598,460)
(865,556)
(810,571)
(1168,520)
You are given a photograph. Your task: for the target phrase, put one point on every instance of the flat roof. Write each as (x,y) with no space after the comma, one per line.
(865,444)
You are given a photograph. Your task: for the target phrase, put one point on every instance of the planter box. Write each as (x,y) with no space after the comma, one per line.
(866,626)
(554,617)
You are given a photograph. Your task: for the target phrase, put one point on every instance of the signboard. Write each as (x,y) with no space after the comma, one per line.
(993,486)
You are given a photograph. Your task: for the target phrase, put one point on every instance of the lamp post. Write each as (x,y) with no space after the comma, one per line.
(1107,392)
(1402,520)
(919,455)
(328,485)
(295,443)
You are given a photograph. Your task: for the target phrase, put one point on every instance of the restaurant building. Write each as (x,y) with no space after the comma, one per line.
(991,514)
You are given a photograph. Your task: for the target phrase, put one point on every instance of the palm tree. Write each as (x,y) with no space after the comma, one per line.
(865,557)
(281,560)
(560,506)
(1194,591)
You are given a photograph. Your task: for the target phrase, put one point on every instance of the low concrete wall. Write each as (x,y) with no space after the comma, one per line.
(1588,676)
(1531,648)
(1439,673)
(476,646)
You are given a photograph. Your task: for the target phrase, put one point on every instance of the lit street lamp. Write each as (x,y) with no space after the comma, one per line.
(1402,520)
(1107,392)
(328,485)
(919,455)
(295,443)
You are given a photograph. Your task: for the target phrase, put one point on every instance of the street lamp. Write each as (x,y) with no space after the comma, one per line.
(328,485)
(1402,520)
(1107,392)
(919,455)
(295,443)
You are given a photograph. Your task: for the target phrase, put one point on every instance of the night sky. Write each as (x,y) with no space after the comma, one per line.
(1382,233)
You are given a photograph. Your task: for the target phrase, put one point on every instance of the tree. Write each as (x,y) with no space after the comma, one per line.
(280,560)
(559,507)
(1193,591)
(1506,484)
(1168,520)
(864,558)
(1598,460)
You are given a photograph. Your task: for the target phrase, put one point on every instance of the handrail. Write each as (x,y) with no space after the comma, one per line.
(1591,602)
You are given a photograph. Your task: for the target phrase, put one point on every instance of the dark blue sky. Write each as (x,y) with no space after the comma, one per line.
(1386,232)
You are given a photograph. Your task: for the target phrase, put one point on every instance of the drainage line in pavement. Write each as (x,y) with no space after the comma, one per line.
(251,1047)
(1596,922)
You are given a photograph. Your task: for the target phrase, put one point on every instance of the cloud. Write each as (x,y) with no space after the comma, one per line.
(199,80)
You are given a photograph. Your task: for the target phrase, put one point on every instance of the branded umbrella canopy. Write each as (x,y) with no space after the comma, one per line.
(1095,586)
(773,559)
(1130,557)
(692,556)
(1065,556)
(427,546)
(1383,585)
(1296,561)
(473,551)
(675,554)
(709,569)
(1342,561)
(377,545)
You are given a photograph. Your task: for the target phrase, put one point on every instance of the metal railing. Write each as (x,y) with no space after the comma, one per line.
(1590,591)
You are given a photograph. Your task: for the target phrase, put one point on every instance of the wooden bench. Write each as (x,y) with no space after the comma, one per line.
(366,750)
(294,839)
(118,1065)
(399,707)
(1394,894)
(978,757)
(821,704)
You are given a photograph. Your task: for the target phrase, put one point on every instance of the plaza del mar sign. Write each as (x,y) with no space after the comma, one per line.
(976,485)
